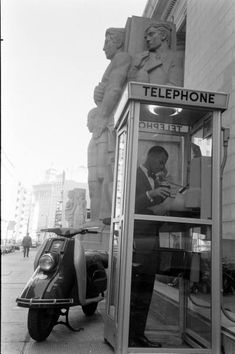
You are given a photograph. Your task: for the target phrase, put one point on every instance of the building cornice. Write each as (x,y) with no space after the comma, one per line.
(166,10)
(178,12)
(154,8)
(170,4)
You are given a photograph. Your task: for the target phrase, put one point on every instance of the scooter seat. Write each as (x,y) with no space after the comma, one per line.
(95,257)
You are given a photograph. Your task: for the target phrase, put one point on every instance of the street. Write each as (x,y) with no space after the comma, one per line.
(15,339)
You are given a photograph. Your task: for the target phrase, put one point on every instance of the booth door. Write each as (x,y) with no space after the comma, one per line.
(170,300)
(113,301)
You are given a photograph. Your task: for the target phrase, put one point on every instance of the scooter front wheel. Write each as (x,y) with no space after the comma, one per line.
(90,309)
(41,322)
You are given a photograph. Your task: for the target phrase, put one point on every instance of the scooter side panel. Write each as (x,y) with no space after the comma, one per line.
(61,285)
(96,275)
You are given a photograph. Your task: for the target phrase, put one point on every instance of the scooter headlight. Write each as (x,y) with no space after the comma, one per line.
(47,262)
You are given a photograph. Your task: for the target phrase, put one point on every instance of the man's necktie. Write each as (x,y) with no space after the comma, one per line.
(154,177)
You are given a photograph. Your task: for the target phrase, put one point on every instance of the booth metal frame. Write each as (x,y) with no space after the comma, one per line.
(126,119)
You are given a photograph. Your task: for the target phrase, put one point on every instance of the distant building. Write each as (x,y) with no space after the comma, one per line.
(9,189)
(22,212)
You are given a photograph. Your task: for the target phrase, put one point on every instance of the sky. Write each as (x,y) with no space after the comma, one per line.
(52,58)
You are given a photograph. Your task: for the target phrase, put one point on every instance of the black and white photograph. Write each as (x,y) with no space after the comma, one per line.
(118,176)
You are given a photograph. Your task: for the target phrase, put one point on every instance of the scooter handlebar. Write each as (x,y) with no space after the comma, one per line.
(90,232)
(69,232)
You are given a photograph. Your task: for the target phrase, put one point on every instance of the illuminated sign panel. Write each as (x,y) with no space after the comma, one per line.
(171,96)
(162,127)
(178,96)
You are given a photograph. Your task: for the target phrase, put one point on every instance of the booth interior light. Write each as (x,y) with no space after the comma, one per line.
(170,111)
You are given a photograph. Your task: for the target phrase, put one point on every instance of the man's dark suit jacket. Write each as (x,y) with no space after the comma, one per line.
(146,239)
(142,202)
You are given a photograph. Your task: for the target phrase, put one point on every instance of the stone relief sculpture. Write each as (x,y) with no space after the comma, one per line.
(80,210)
(106,96)
(159,64)
(75,209)
(70,208)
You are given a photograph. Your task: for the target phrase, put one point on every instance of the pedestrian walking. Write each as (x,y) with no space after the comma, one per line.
(26,243)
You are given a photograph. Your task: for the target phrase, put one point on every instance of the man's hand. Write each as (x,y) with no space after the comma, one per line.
(163,192)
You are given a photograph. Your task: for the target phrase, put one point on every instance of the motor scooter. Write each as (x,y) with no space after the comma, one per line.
(64,275)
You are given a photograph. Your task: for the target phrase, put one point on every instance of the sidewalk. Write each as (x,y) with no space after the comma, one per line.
(89,340)
(15,339)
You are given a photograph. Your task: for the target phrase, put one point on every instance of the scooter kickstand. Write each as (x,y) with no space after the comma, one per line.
(66,323)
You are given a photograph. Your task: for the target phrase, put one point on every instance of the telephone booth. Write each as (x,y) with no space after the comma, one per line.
(164,265)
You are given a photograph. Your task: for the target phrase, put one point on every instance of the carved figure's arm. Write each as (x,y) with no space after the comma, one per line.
(137,64)
(116,81)
(99,93)
(113,88)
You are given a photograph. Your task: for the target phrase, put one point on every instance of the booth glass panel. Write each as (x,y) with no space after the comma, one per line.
(186,137)
(171,266)
(120,173)
(114,270)
(117,226)
(171,284)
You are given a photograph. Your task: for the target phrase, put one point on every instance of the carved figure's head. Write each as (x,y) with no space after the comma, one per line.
(70,194)
(114,40)
(91,119)
(156,34)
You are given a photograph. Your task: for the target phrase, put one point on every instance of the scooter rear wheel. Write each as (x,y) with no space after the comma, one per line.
(41,322)
(90,309)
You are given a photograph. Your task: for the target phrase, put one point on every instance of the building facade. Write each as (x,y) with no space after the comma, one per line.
(206,44)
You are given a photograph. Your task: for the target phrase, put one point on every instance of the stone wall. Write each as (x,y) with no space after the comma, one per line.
(210,65)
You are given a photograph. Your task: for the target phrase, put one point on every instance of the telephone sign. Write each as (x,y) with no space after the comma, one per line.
(176,96)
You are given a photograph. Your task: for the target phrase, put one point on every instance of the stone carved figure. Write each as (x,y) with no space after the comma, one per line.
(92,162)
(106,96)
(75,208)
(70,208)
(80,209)
(159,64)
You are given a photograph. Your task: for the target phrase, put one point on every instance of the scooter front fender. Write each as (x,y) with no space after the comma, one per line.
(37,294)
(51,289)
